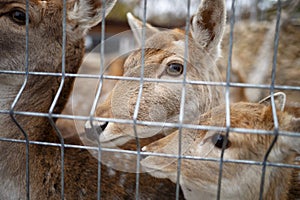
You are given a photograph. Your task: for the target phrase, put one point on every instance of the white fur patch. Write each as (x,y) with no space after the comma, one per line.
(111,172)
(122,179)
(179,43)
(43,4)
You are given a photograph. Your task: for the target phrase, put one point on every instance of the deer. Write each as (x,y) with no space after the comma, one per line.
(45,44)
(199,178)
(252,56)
(164,60)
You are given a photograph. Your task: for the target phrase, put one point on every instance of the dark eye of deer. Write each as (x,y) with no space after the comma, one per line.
(218,140)
(18,17)
(175,69)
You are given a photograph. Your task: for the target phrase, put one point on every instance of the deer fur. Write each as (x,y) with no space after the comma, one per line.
(45,55)
(161,101)
(252,57)
(45,49)
(199,178)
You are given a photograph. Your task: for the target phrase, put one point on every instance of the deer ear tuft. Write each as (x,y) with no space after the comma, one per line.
(136,26)
(296,126)
(207,26)
(84,14)
(292,143)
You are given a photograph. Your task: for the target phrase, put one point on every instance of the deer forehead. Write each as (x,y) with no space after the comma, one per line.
(40,4)
(41,13)
(18,1)
(154,55)
(167,43)
(161,43)
(163,39)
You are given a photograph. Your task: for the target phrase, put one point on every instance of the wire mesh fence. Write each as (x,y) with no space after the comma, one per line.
(131,118)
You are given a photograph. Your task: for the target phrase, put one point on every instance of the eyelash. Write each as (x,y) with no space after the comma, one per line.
(219,139)
(18,16)
(174,69)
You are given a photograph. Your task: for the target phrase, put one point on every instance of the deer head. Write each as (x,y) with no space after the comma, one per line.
(200,177)
(164,59)
(45,32)
(45,41)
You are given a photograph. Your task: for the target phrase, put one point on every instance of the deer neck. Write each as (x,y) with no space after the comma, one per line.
(39,92)
(13,155)
(36,97)
(279,186)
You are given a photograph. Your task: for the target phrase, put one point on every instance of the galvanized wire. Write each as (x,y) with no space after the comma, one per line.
(135,122)
(96,99)
(12,108)
(131,152)
(158,124)
(55,100)
(227,99)
(275,119)
(138,101)
(155,80)
(102,61)
(182,100)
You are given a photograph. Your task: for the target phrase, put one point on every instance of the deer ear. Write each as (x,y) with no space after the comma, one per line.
(296,128)
(137,26)
(207,26)
(280,99)
(84,14)
(296,125)
(289,142)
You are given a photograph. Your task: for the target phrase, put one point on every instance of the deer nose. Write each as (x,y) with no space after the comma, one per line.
(93,131)
(104,125)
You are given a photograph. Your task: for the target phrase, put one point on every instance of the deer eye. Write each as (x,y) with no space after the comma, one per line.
(219,140)
(18,16)
(174,69)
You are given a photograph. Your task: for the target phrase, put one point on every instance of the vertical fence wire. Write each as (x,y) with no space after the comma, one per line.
(275,119)
(182,100)
(57,95)
(11,111)
(97,97)
(261,13)
(102,61)
(227,98)
(138,102)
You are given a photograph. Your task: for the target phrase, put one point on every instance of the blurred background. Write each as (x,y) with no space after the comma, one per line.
(253,49)
(173,13)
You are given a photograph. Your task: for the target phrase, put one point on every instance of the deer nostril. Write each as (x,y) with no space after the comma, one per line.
(93,131)
(103,126)
(98,126)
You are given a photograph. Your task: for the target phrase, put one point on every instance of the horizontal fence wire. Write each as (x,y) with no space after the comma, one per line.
(51,115)
(161,124)
(131,152)
(155,80)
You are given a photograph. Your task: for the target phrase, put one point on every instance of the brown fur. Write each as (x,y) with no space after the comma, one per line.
(240,181)
(161,101)
(252,56)
(80,167)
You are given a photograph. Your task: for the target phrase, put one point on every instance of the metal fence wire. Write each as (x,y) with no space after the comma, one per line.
(15,113)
